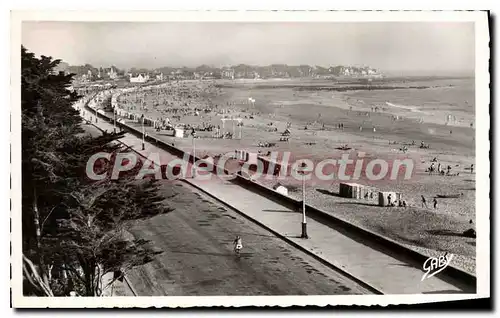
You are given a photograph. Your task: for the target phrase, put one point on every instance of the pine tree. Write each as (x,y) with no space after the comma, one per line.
(74,229)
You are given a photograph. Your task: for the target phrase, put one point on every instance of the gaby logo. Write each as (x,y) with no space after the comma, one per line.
(434,265)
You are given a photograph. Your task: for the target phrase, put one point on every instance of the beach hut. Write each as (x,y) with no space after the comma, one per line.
(356,191)
(351,190)
(383,198)
(179,132)
(280,189)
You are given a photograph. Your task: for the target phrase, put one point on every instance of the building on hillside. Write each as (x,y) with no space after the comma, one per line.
(207,75)
(159,77)
(111,72)
(138,78)
(227,73)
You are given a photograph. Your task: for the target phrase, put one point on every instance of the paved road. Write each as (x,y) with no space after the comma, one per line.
(198,258)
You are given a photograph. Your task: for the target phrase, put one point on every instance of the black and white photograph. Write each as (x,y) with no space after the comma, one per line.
(340,156)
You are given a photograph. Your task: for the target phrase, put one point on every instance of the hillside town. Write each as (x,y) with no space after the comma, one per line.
(87,72)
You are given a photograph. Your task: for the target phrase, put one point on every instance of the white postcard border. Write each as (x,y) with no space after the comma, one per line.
(482,154)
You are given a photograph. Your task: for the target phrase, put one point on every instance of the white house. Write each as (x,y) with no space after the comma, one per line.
(140,78)
(159,77)
(112,73)
(227,73)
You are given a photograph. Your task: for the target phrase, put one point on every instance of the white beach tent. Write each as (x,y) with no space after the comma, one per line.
(281,189)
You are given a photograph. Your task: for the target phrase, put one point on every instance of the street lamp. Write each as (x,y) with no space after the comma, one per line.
(304,220)
(96,112)
(193,134)
(142,117)
(114,120)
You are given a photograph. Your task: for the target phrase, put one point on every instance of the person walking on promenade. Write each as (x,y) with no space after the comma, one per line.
(424,203)
(238,245)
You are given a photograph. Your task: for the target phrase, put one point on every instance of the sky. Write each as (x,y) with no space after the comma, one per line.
(388,46)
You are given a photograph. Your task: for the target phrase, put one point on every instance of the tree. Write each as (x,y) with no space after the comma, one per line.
(47,119)
(74,229)
(94,237)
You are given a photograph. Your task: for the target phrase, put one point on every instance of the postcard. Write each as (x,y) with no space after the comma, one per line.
(249,158)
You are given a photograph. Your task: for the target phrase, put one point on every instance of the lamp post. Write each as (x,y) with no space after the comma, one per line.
(142,120)
(96,112)
(193,134)
(114,120)
(304,220)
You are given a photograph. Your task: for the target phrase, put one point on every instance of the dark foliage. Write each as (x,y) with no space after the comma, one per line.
(74,228)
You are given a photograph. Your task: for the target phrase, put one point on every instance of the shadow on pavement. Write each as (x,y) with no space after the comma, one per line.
(286,211)
(295,236)
(445,292)
(242,234)
(403,265)
(202,253)
(445,232)
(213,254)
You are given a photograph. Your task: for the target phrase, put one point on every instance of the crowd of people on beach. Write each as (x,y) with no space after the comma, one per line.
(171,104)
